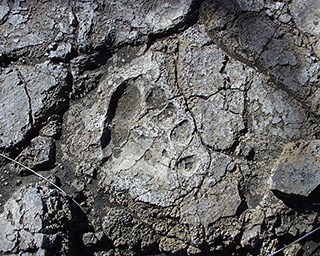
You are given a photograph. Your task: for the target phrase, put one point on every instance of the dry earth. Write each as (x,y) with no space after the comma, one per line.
(180,127)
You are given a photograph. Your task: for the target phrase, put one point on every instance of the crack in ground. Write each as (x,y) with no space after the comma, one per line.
(278,85)
(32,121)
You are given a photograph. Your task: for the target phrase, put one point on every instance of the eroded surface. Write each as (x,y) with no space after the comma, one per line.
(181,127)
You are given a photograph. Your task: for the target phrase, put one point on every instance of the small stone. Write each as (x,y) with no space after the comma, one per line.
(78,185)
(51,129)
(89,239)
(40,154)
(172,245)
(245,150)
(293,250)
(61,52)
(193,250)
(285,18)
(231,167)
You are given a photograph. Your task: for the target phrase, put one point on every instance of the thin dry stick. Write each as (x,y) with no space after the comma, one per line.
(43,178)
(296,241)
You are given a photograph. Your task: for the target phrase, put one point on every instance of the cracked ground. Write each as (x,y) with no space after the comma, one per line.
(178,127)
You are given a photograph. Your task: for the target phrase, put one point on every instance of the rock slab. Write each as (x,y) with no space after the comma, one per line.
(297,171)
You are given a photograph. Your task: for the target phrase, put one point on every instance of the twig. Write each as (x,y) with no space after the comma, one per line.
(296,241)
(44,178)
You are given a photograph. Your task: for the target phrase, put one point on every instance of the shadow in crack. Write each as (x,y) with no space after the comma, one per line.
(106,135)
(301,203)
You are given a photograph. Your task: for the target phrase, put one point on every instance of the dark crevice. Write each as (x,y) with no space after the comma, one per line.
(224,64)
(152,249)
(106,134)
(6,60)
(245,113)
(25,86)
(231,150)
(106,50)
(103,244)
(66,59)
(95,60)
(251,155)
(243,206)
(301,203)
(191,18)
(75,228)
(284,240)
(30,105)
(79,226)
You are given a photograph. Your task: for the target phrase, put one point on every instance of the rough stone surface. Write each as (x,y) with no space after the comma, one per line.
(178,127)
(297,170)
(14,118)
(29,220)
(29,95)
(39,155)
(267,40)
(306,15)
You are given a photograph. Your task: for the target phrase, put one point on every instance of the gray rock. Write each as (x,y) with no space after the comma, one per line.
(316,49)
(61,52)
(27,219)
(306,15)
(99,25)
(39,155)
(28,95)
(264,42)
(89,239)
(272,113)
(125,22)
(163,118)
(125,230)
(22,29)
(285,55)
(297,170)
(160,128)
(211,203)
(250,5)
(255,33)
(22,227)
(15,119)
(4,10)
(173,245)
(154,150)
(46,86)
(117,23)
(251,237)
(204,82)
(85,18)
